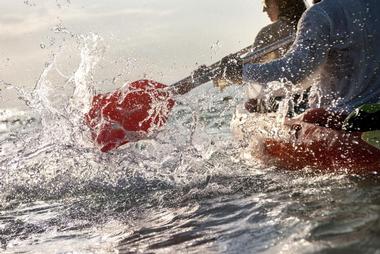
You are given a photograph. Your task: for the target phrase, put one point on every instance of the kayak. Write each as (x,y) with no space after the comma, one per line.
(325,149)
(295,144)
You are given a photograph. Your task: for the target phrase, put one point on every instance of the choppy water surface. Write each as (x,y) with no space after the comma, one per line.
(190,189)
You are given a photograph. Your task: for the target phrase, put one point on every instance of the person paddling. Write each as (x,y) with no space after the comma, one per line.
(339,38)
(285,15)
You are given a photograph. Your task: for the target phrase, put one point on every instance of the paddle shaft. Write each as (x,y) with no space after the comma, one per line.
(248,54)
(118,118)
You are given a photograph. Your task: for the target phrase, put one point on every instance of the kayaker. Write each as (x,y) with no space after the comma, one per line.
(340,39)
(285,15)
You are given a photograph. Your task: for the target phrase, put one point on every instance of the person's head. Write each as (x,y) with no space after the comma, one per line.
(272,9)
(291,9)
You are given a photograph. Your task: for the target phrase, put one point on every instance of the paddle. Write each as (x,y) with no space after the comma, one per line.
(138,109)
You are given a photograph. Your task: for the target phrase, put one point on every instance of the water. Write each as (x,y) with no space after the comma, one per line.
(189,189)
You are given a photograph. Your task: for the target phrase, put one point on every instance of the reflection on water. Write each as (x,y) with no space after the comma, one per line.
(251,211)
(162,196)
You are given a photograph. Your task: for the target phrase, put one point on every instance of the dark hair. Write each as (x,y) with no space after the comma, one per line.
(291,9)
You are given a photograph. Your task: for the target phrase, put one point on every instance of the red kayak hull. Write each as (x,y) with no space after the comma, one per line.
(324,149)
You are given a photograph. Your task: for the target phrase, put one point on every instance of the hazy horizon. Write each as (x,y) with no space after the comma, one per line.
(166,39)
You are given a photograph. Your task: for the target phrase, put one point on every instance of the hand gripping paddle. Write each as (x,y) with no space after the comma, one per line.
(136,111)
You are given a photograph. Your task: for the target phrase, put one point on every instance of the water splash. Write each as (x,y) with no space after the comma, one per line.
(188,189)
(60,121)
(55,158)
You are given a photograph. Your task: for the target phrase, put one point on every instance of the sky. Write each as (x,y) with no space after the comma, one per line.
(159,39)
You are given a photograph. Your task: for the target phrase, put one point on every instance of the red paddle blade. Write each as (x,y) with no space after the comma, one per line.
(128,114)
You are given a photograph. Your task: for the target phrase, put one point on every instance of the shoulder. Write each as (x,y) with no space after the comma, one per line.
(316,16)
(274,32)
(263,36)
(278,26)
(321,9)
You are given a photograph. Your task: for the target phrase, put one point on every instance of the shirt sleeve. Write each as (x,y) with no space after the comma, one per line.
(309,50)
